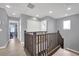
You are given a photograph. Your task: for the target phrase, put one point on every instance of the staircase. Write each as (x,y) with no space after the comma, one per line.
(42,43)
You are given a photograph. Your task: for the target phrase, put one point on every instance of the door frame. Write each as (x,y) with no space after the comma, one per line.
(18,30)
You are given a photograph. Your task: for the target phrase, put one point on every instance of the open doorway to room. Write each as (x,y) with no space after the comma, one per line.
(13,30)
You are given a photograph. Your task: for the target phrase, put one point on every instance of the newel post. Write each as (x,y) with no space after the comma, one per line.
(34,43)
(25,43)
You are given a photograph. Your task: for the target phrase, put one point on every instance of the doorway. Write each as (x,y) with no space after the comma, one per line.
(13,30)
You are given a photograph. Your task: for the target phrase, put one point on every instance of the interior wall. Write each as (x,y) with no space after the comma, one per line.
(51,25)
(28,24)
(71,37)
(33,25)
(4,26)
(23,26)
(43,25)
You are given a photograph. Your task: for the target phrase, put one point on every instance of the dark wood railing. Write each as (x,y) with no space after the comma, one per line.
(41,43)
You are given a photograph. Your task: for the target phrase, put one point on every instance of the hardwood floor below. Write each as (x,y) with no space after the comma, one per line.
(14,48)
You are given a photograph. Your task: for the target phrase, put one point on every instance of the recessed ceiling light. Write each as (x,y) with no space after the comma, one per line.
(0,29)
(50,12)
(68,8)
(34,18)
(13,14)
(66,14)
(8,6)
(37,15)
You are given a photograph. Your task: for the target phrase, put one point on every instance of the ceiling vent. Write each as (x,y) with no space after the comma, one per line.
(31,6)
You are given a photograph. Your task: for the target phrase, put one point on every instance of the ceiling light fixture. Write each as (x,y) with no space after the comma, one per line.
(37,15)
(0,29)
(34,18)
(66,14)
(8,6)
(50,12)
(68,8)
(13,14)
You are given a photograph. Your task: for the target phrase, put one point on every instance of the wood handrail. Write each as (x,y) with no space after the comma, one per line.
(53,50)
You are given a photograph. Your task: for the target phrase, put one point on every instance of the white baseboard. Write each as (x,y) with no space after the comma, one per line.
(2,47)
(74,51)
(22,43)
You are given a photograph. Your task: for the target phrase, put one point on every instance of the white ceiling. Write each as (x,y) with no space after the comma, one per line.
(59,9)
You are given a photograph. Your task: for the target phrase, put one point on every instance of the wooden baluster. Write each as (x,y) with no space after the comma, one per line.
(34,43)
(45,44)
(27,41)
(38,45)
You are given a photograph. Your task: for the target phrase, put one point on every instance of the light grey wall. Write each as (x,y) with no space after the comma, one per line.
(43,25)
(51,25)
(32,26)
(71,37)
(23,22)
(4,26)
